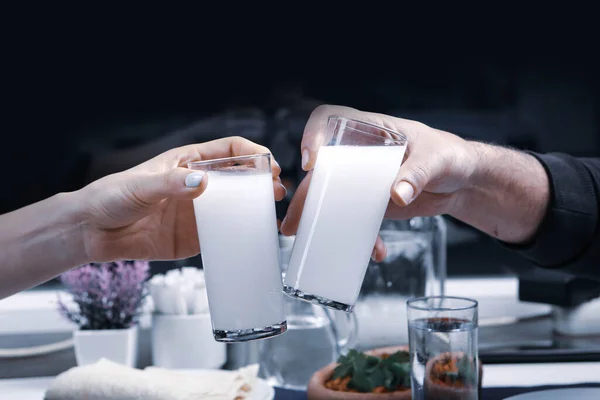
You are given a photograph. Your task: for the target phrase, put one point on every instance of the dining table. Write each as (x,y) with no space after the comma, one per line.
(500,381)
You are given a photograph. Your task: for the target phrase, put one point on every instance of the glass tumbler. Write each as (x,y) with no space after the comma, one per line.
(237,229)
(443,348)
(347,197)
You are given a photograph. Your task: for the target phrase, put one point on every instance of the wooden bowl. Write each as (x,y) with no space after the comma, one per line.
(316,389)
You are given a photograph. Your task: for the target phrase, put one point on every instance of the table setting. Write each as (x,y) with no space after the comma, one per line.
(329,322)
(505,381)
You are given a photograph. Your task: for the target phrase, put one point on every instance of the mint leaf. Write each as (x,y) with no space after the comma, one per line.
(406,381)
(372,361)
(400,356)
(361,383)
(390,381)
(359,363)
(377,377)
(466,369)
(367,372)
(454,376)
(342,371)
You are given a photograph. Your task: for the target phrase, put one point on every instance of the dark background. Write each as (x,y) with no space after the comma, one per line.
(65,124)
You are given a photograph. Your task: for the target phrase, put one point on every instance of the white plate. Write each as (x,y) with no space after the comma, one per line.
(560,394)
(24,389)
(34,389)
(262,390)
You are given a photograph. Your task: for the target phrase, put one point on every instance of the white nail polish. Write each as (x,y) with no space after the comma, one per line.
(194,179)
(305,157)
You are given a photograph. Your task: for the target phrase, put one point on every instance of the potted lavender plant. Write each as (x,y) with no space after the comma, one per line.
(107,303)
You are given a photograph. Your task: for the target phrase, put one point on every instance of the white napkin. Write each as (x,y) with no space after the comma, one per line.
(106,380)
(179,291)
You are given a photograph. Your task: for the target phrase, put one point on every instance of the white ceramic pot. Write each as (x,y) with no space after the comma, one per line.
(186,342)
(118,345)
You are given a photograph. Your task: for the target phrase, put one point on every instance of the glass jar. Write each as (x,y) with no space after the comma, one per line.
(316,336)
(415,266)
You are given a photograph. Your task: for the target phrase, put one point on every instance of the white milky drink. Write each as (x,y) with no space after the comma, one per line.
(345,204)
(237,229)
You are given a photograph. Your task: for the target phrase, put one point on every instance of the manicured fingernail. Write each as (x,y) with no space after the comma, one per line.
(305,157)
(374,254)
(194,179)
(284,219)
(406,191)
(276,163)
(284,188)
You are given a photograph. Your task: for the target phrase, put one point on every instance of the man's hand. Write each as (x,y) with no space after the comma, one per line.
(443,174)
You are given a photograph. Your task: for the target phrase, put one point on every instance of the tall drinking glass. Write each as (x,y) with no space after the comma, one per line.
(345,204)
(237,229)
(443,348)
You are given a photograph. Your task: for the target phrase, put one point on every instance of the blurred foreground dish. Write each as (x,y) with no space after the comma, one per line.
(106,380)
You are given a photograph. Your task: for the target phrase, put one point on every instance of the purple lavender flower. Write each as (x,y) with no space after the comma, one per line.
(107,295)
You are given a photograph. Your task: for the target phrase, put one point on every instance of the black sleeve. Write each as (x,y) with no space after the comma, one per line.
(569,237)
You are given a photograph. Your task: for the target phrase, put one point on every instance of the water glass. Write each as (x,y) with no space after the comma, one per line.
(414,266)
(348,194)
(443,348)
(237,229)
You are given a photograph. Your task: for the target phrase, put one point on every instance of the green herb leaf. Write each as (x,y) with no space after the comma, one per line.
(400,356)
(360,382)
(406,381)
(453,375)
(390,382)
(467,370)
(368,372)
(352,354)
(399,370)
(342,359)
(359,363)
(377,377)
(342,370)
(463,364)
(372,361)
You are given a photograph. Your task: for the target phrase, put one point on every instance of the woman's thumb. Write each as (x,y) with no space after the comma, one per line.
(181,183)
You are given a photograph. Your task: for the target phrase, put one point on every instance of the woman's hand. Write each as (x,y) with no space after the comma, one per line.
(146,212)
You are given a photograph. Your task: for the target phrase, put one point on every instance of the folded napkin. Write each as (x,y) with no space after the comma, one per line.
(106,380)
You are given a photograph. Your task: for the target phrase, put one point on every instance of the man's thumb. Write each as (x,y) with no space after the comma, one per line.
(181,183)
(412,179)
